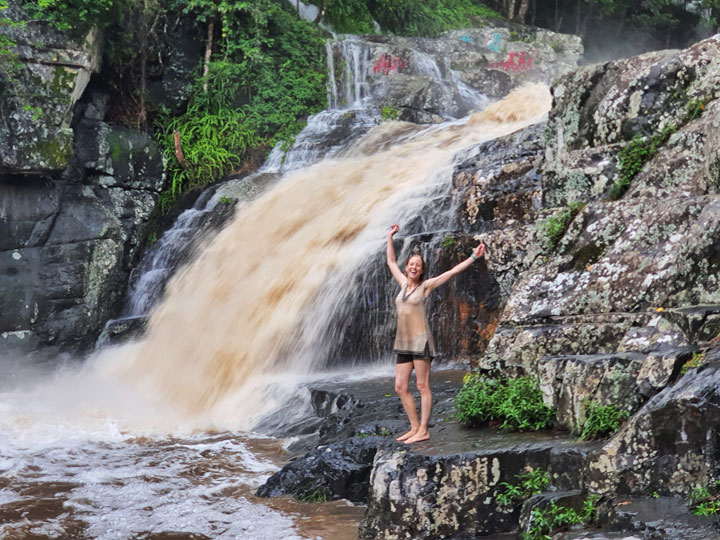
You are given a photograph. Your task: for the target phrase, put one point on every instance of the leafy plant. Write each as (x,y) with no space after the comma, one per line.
(226,200)
(449,242)
(695,108)
(705,500)
(314,496)
(545,521)
(635,154)
(554,227)
(389,113)
(697,360)
(529,483)
(601,420)
(151,239)
(516,404)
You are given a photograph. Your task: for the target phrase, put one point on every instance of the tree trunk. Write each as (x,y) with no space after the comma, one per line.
(584,26)
(577,17)
(510,10)
(522,11)
(321,13)
(179,155)
(208,53)
(558,16)
(143,39)
(534,12)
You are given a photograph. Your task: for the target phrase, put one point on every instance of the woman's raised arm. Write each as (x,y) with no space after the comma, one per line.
(435,282)
(391,260)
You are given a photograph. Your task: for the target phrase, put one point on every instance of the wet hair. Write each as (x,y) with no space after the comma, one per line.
(417,253)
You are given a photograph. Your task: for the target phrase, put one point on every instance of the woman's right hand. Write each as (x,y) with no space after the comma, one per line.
(393,230)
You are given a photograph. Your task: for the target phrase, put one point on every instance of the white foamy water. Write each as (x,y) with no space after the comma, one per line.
(118,489)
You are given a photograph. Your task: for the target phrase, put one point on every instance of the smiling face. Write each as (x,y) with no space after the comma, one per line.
(415,269)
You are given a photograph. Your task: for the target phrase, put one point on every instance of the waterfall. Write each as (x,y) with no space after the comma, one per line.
(272,296)
(258,299)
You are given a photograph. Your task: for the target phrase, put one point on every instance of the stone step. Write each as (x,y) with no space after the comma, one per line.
(700,324)
(661,518)
(451,492)
(625,379)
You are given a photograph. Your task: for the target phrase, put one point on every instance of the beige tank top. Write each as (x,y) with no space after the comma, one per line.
(413,332)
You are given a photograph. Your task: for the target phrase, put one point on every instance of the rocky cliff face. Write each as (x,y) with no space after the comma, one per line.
(75,194)
(611,309)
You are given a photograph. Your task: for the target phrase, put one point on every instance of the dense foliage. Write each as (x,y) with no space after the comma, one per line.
(266,76)
(516,404)
(78,15)
(264,72)
(402,17)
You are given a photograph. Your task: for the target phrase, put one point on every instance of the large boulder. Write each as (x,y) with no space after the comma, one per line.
(426,80)
(426,495)
(671,445)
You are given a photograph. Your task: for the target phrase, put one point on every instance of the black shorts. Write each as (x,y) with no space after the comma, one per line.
(404,358)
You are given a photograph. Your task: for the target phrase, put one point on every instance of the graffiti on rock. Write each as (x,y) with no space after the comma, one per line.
(466,39)
(386,64)
(516,61)
(496,45)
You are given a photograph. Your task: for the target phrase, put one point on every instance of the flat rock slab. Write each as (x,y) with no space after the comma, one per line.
(662,518)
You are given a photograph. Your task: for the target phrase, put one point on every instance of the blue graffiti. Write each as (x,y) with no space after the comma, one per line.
(466,39)
(496,44)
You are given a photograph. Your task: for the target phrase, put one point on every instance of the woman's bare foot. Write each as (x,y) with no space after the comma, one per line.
(419,436)
(407,435)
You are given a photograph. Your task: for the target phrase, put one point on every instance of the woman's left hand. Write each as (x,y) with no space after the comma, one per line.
(479,251)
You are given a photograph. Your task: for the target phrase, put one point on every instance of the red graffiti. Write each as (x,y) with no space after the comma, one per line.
(386,64)
(516,61)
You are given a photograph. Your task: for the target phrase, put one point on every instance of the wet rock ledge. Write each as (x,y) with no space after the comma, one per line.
(447,487)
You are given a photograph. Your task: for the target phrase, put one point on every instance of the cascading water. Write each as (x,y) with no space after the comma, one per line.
(236,315)
(238,331)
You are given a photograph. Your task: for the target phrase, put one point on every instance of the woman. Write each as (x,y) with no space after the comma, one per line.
(413,341)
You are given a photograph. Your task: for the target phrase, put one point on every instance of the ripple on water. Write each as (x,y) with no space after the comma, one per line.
(196,487)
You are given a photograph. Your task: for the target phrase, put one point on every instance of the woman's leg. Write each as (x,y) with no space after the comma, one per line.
(402,379)
(422,376)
